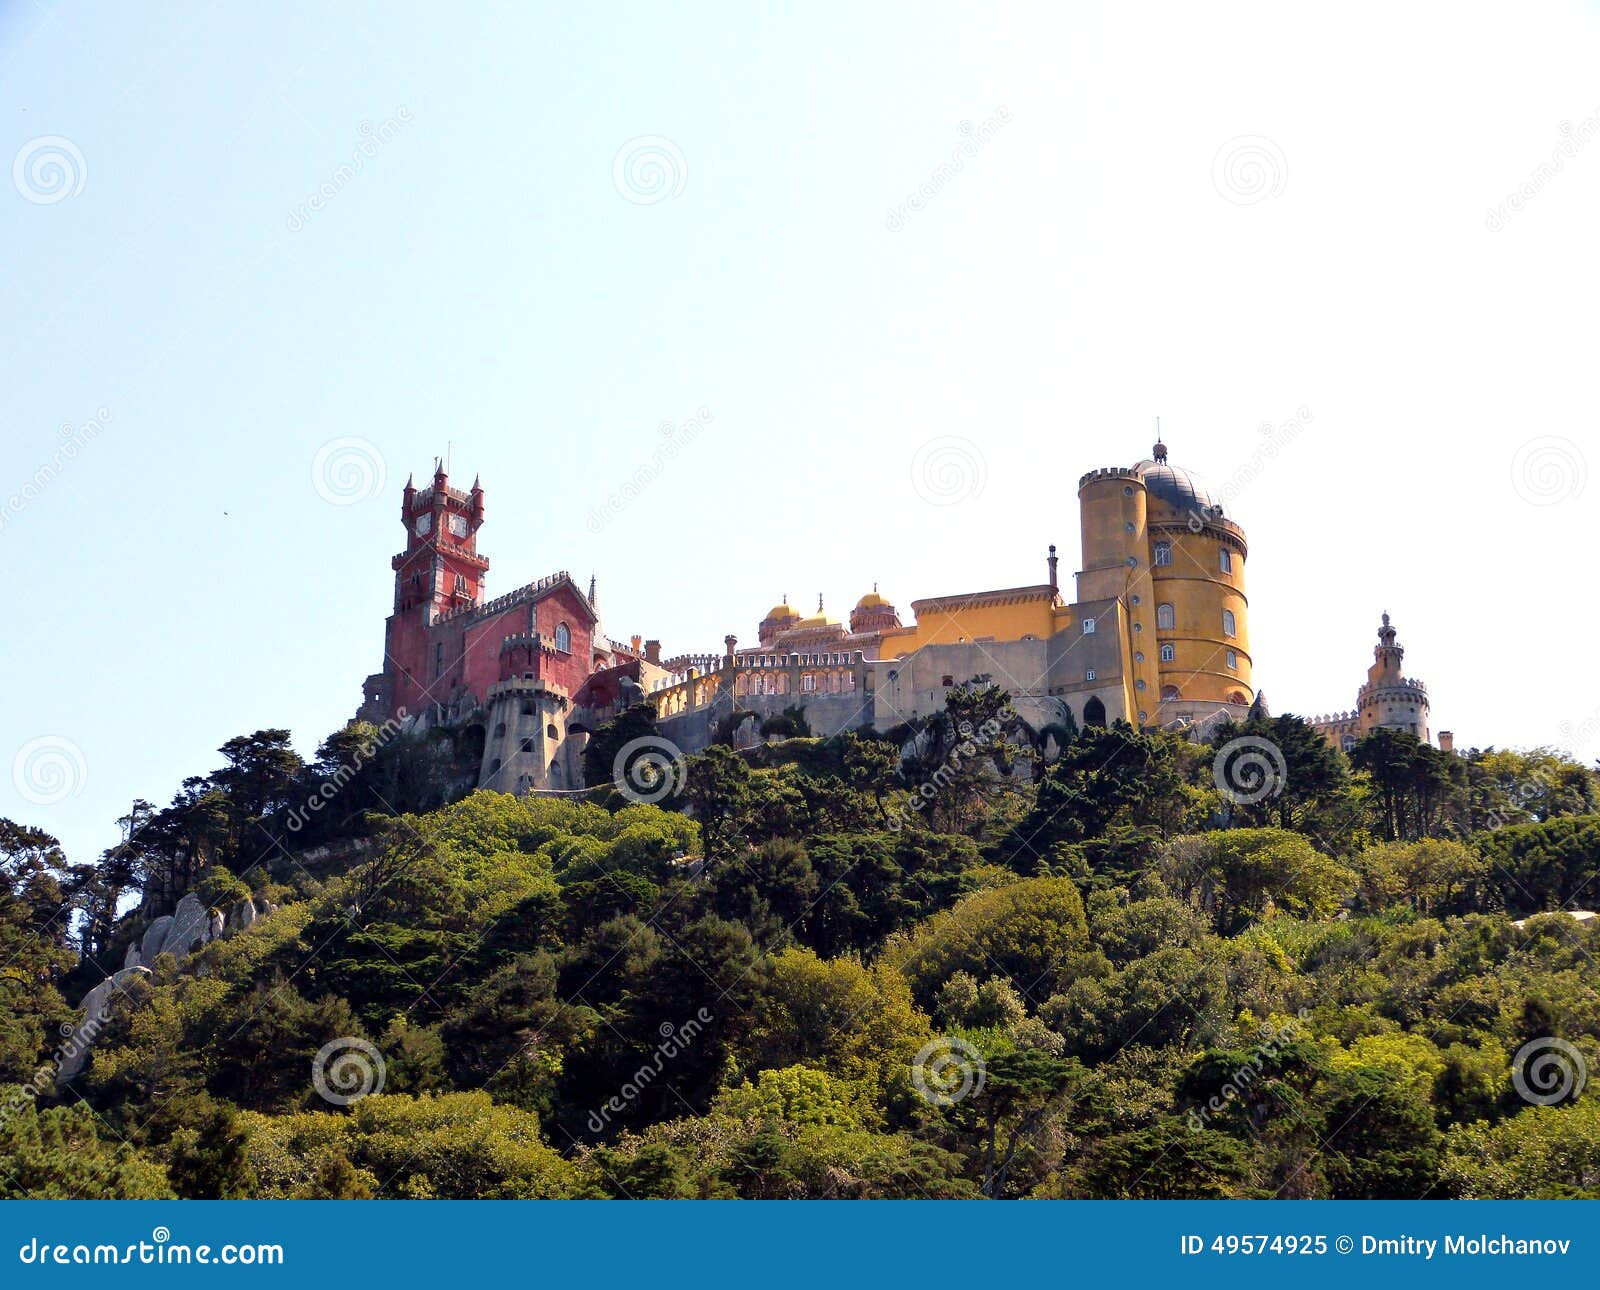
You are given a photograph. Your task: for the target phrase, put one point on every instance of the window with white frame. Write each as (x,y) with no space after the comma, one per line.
(1168,654)
(563,638)
(1088,627)
(1166,618)
(1163,553)
(1225,559)
(1229,626)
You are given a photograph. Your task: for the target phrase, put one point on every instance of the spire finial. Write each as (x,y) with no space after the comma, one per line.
(819,602)
(1159,452)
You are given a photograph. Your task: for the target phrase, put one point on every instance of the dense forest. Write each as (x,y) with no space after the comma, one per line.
(963,959)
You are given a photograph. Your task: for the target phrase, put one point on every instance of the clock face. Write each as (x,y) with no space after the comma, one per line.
(424,523)
(458,525)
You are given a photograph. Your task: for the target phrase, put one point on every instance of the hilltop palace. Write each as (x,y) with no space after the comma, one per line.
(1157,633)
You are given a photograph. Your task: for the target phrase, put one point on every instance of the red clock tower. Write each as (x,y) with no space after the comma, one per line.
(439,573)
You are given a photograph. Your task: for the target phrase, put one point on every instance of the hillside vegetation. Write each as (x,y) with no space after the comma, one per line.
(972,960)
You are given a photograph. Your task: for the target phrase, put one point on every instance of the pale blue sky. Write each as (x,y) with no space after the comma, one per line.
(481,281)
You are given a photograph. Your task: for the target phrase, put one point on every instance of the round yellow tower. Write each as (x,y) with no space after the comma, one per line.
(1156,540)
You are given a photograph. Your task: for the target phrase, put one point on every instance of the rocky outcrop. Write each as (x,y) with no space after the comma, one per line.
(96,1011)
(188,928)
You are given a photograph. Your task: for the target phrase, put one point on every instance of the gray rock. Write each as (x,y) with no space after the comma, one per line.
(214,925)
(191,928)
(242,915)
(154,938)
(96,1008)
(131,958)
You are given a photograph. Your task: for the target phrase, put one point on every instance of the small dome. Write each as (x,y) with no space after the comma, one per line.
(783,611)
(818,620)
(1175,485)
(872,600)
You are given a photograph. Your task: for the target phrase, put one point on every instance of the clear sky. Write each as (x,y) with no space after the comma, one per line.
(540,232)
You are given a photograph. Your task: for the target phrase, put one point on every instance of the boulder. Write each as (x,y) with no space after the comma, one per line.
(96,1009)
(242,915)
(131,958)
(190,929)
(155,937)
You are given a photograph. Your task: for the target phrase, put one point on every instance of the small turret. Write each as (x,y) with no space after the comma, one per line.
(477,502)
(407,500)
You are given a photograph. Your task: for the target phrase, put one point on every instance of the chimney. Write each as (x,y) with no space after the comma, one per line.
(1053,583)
(652,652)
(729,642)
(1447,741)
(637,642)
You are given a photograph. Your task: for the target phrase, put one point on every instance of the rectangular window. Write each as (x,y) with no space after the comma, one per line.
(1088,627)
(1163,553)
(1226,557)
(1089,675)
(1233,660)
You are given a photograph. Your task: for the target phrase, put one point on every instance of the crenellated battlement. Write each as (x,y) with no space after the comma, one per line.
(507,601)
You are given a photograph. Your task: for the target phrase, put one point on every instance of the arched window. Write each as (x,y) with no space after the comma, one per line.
(1168,654)
(550,731)
(1170,692)
(1225,559)
(1238,697)
(1229,626)
(1094,712)
(1163,553)
(1166,618)
(1233,660)
(563,638)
